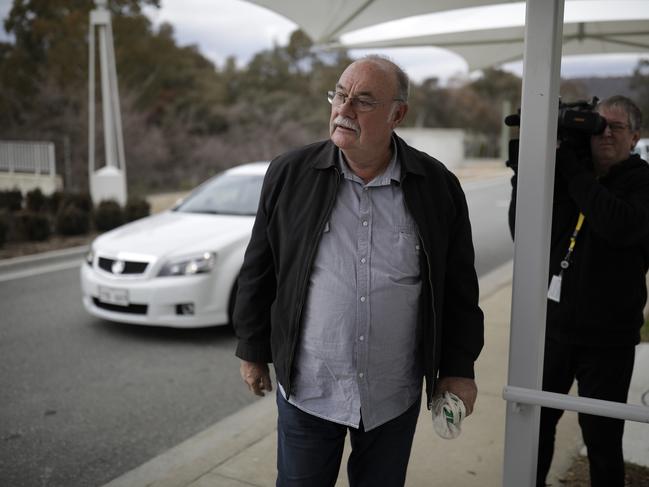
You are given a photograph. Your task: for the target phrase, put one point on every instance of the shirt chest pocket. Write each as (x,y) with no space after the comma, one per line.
(406,250)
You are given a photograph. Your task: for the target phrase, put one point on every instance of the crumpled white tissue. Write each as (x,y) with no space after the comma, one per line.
(448,412)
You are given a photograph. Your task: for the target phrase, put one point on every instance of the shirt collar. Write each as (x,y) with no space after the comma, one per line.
(391,173)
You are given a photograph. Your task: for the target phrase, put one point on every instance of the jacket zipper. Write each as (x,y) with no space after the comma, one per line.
(432,307)
(434,319)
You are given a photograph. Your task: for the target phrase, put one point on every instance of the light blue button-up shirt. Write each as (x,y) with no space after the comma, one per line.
(358,352)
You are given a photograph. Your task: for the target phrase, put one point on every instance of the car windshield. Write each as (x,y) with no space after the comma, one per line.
(226,194)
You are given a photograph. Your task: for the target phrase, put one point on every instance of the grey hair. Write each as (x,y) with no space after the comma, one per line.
(403,82)
(627,106)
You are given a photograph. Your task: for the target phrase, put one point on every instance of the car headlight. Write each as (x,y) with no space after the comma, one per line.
(188,266)
(90,257)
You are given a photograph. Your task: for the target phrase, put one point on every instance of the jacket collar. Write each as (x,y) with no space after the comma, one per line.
(329,155)
(634,161)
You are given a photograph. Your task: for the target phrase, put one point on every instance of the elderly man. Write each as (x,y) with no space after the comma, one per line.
(599,257)
(357,282)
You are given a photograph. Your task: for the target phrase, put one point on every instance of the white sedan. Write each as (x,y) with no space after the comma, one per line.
(178,268)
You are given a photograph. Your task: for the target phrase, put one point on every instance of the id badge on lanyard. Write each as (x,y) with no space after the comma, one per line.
(554,291)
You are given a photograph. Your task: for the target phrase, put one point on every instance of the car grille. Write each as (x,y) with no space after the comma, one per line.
(135,309)
(128,267)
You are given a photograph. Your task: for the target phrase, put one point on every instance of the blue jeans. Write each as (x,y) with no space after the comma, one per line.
(310,449)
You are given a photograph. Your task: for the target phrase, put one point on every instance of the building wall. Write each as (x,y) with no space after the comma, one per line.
(27,182)
(28,165)
(446,145)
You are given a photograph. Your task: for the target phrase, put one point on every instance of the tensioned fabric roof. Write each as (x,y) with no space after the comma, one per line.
(623,30)
(324,21)
(492,47)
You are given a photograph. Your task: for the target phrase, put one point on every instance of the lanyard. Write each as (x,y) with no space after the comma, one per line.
(565,263)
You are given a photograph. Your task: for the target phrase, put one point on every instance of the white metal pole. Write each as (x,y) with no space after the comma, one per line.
(91,99)
(114,92)
(586,405)
(106,104)
(539,108)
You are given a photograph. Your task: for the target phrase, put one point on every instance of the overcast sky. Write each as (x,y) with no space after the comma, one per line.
(222,28)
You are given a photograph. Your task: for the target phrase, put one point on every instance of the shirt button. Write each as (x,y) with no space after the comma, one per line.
(360,375)
(361,338)
(365,223)
(362,299)
(363,260)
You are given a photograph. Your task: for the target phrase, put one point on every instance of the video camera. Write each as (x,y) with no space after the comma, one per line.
(577,122)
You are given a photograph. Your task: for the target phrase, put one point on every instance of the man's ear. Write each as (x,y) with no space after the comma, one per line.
(399,114)
(634,139)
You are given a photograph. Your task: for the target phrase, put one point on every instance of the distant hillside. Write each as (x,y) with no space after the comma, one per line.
(605,87)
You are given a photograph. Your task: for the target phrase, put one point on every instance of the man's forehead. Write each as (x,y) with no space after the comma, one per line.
(365,78)
(613,113)
(358,89)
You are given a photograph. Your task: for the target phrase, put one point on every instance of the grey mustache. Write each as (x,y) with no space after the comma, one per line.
(347,123)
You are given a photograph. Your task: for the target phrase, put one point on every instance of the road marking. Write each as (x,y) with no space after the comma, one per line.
(36,271)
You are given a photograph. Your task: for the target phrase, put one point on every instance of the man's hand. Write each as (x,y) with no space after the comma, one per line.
(568,161)
(462,387)
(257,376)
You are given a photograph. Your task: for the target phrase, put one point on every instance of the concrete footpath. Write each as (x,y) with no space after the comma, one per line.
(240,450)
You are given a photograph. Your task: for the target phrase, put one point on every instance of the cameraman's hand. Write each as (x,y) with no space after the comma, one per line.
(568,162)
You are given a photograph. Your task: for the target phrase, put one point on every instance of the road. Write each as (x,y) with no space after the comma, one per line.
(488,202)
(84,400)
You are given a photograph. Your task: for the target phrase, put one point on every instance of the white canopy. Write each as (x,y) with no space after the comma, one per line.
(623,30)
(492,47)
(324,21)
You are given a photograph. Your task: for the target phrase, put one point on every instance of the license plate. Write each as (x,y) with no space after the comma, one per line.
(111,295)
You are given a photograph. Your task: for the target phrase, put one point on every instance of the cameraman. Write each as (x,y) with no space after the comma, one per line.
(597,288)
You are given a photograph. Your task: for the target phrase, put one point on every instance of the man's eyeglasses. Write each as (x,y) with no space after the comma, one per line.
(358,103)
(617,128)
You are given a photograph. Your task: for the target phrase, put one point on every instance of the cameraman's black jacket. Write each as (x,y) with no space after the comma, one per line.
(604,290)
(296,200)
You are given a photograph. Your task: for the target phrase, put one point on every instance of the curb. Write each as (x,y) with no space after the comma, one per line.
(42,263)
(198,455)
(41,256)
(202,453)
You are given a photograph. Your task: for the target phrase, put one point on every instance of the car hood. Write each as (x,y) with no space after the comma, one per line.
(174,233)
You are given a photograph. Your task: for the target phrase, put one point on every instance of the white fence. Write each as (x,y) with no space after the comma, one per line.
(28,165)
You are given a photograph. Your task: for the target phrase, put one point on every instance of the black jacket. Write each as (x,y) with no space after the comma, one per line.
(296,200)
(603,292)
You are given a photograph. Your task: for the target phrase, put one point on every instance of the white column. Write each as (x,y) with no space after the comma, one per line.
(91,98)
(108,182)
(106,100)
(539,107)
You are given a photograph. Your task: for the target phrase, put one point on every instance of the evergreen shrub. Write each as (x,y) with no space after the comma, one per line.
(80,200)
(54,202)
(72,220)
(11,199)
(136,208)
(34,226)
(108,215)
(35,200)
(4,228)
